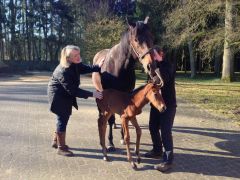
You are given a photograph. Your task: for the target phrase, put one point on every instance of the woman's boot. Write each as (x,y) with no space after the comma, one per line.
(62,147)
(167,163)
(54,141)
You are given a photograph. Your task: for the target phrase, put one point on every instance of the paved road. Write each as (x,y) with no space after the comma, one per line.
(206,147)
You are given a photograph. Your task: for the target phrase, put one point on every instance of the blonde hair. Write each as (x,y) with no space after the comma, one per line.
(65,54)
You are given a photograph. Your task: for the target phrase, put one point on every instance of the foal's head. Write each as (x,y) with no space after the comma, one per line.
(153,94)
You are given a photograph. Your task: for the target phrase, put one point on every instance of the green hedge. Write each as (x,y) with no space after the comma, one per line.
(19,66)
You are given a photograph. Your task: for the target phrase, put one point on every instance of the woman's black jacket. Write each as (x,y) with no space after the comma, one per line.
(168,90)
(63,87)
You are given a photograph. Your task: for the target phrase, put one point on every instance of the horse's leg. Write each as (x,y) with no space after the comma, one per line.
(102,126)
(111,122)
(139,133)
(127,141)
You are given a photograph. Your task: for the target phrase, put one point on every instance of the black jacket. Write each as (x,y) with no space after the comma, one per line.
(167,72)
(63,87)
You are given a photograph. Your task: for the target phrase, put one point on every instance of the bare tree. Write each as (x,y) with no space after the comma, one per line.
(2,20)
(192,59)
(228,55)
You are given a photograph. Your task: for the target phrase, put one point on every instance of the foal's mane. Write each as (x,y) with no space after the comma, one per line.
(135,91)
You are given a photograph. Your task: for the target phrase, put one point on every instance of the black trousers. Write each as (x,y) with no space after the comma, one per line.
(160,126)
(62,121)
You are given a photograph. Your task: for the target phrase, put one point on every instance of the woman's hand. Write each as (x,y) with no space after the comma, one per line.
(158,56)
(101,62)
(97,94)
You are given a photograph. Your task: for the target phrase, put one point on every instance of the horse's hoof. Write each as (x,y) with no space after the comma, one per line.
(122,142)
(111,148)
(139,160)
(134,166)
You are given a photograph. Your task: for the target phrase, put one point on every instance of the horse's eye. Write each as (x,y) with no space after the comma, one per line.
(136,40)
(148,67)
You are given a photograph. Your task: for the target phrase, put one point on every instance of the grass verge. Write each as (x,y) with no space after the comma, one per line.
(207,92)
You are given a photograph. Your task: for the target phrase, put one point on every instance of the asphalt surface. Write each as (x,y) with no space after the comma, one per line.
(206,146)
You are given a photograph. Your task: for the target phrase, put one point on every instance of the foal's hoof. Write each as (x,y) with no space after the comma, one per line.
(105,158)
(122,142)
(134,166)
(111,148)
(139,160)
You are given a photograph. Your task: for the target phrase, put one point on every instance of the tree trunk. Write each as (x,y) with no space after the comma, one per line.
(23,30)
(199,64)
(31,32)
(228,57)
(217,63)
(28,32)
(183,60)
(174,59)
(1,37)
(40,42)
(192,60)
(12,29)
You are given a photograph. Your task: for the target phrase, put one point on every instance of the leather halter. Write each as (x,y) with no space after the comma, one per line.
(140,56)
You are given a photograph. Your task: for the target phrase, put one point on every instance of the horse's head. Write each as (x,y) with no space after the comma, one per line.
(154,95)
(141,43)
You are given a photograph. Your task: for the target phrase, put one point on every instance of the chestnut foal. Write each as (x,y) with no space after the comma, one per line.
(127,106)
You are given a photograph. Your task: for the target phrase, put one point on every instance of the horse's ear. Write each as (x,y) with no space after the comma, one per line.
(131,29)
(149,81)
(156,85)
(146,20)
(126,19)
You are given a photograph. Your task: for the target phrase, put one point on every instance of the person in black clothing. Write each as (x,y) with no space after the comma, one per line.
(63,88)
(163,122)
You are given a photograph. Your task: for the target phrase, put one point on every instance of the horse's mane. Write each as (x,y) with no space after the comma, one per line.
(144,33)
(124,42)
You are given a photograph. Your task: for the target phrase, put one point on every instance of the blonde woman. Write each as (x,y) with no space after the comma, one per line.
(63,88)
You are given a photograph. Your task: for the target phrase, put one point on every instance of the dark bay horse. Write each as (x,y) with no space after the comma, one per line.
(127,106)
(117,71)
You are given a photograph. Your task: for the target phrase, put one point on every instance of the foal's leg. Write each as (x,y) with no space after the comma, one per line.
(102,126)
(122,136)
(139,133)
(127,140)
